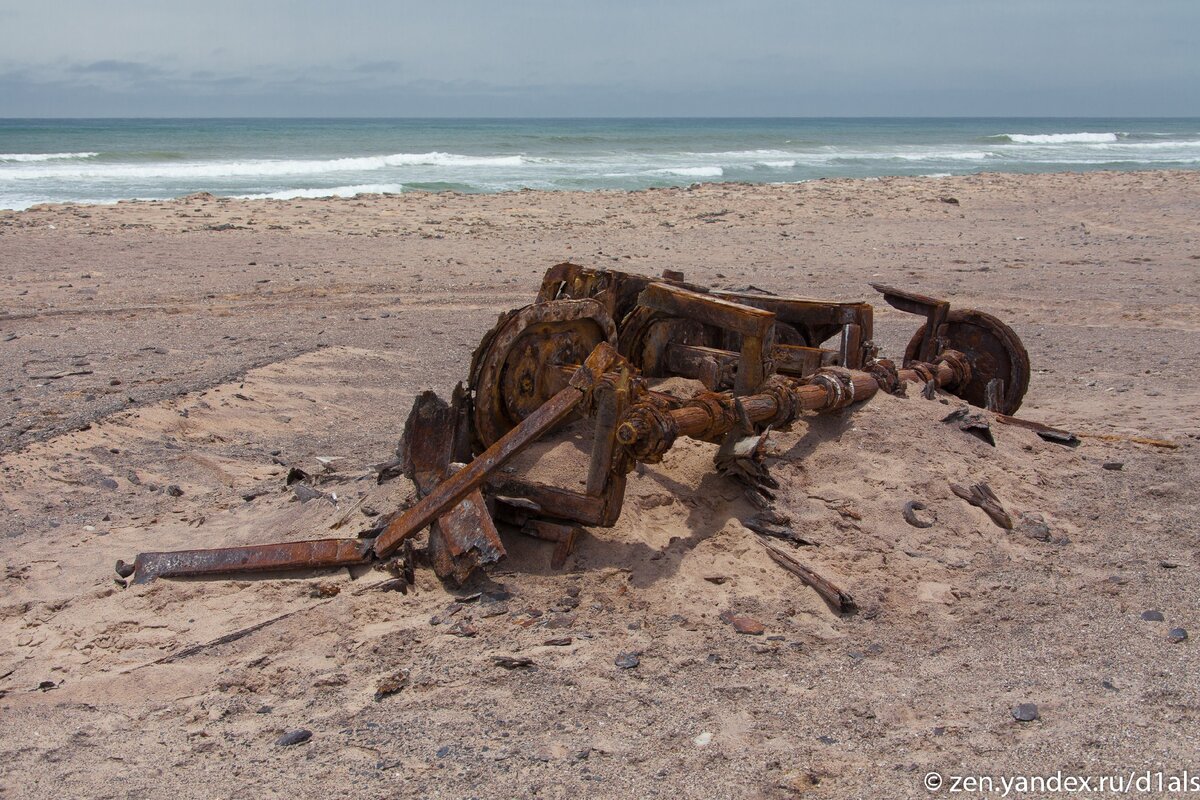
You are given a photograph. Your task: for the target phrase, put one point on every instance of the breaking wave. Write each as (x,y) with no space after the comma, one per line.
(332,191)
(1060,138)
(263,168)
(690,172)
(27,157)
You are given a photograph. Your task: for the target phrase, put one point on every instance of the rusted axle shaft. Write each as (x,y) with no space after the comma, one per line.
(649,430)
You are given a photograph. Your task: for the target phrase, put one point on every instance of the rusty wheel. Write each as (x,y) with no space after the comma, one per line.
(994,351)
(518,365)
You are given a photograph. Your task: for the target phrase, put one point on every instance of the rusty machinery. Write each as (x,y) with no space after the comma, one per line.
(593,346)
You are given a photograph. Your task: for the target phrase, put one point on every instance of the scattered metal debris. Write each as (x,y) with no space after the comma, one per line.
(982,496)
(975,424)
(592,346)
(910,514)
(838,600)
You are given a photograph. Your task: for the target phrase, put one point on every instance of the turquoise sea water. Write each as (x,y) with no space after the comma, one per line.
(101,161)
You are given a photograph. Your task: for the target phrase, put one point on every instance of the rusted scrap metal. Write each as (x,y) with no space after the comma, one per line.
(592,347)
(838,600)
(910,514)
(311,554)
(982,496)
(1046,432)
(435,436)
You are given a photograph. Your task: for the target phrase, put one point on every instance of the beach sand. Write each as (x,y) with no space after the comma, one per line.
(210,344)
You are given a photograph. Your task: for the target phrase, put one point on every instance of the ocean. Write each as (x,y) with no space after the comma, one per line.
(106,160)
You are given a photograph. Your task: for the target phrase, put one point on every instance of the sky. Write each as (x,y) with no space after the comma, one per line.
(572,58)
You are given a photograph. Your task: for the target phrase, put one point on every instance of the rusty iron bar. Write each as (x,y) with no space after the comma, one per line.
(307,554)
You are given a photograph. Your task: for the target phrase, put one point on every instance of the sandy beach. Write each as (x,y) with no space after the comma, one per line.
(204,346)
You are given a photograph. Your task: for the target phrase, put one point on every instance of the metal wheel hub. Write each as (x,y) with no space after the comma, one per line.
(519,364)
(994,351)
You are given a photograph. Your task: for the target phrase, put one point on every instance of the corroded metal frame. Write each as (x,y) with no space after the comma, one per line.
(758,356)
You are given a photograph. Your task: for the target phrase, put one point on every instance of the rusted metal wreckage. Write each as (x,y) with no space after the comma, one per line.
(593,346)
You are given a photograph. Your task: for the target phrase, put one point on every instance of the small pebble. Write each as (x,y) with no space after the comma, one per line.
(627,660)
(746,625)
(464,629)
(294,737)
(1177,635)
(1153,616)
(108,483)
(512,662)
(123,569)
(1025,712)
(391,684)
(703,739)
(174,490)
(1115,466)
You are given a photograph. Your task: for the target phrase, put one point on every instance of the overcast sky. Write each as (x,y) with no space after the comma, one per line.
(596,58)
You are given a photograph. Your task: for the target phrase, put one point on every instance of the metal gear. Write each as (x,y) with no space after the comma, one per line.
(519,364)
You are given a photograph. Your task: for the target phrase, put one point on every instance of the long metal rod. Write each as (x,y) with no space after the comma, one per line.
(308,554)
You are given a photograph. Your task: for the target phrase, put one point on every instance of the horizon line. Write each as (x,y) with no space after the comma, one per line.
(610,117)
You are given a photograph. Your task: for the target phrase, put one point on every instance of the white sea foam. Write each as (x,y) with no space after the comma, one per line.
(27,157)
(690,172)
(332,191)
(1059,138)
(260,168)
(948,155)
(788,164)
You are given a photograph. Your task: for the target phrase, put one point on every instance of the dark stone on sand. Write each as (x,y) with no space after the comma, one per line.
(512,662)
(123,569)
(493,609)
(108,483)
(174,490)
(290,738)
(1114,466)
(1034,526)
(305,493)
(1025,712)
(1177,635)
(627,660)
(1153,616)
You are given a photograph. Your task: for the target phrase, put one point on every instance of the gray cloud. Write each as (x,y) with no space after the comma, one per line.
(111,66)
(570,57)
